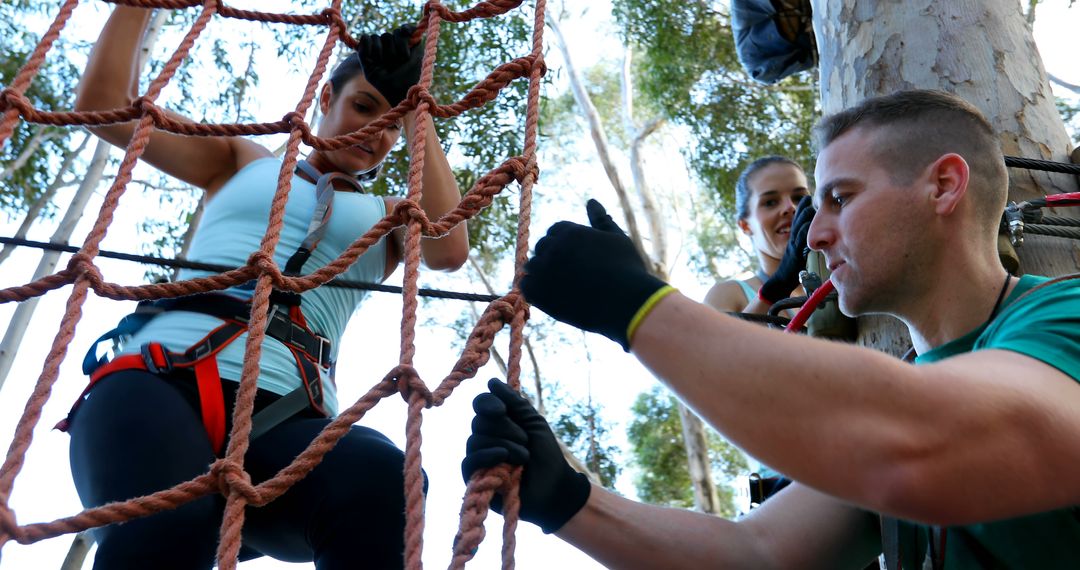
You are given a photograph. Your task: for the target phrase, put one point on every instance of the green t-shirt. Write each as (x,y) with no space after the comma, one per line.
(1044,325)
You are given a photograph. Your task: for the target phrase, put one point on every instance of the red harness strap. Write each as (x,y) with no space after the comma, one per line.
(201,358)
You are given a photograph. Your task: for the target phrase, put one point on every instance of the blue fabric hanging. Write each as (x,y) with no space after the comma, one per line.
(770,40)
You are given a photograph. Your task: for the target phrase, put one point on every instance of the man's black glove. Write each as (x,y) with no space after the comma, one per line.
(390,64)
(507,429)
(591,277)
(786,278)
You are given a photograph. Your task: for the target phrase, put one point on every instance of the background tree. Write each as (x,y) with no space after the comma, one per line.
(655,435)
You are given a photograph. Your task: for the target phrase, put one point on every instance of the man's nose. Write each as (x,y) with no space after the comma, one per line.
(822,233)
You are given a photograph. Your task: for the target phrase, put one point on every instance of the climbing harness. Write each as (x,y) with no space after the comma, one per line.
(311,351)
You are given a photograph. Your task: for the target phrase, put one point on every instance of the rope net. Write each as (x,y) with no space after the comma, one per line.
(227,475)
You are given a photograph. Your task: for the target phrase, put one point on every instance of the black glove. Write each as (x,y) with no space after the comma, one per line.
(592,278)
(390,64)
(786,278)
(507,429)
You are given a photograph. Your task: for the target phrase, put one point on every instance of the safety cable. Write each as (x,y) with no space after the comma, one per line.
(185,264)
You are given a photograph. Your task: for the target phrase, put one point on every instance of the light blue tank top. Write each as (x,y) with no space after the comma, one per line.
(232,228)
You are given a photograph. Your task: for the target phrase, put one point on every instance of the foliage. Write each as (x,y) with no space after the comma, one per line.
(686,67)
(659,452)
(586,433)
(53,89)
(1070,115)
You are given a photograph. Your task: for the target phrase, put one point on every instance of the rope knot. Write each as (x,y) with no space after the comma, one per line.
(142,104)
(518,167)
(409,384)
(83,264)
(12,99)
(510,305)
(232,477)
(264,262)
(293,119)
(408,210)
(538,60)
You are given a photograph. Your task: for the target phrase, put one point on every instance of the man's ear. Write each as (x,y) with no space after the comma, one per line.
(744,226)
(948,179)
(325,95)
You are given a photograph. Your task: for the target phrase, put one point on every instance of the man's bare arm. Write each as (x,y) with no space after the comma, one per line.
(870,429)
(798,528)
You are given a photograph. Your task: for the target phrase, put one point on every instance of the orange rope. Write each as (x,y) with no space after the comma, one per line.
(227,475)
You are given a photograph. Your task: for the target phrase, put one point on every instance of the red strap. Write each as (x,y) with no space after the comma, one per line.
(207,378)
(211,401)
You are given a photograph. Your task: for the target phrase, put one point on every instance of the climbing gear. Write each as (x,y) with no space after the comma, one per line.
(592,277)
(286,324)
(827,321)
(508,429)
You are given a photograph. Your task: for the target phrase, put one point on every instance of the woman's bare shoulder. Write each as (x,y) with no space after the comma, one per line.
(727,296)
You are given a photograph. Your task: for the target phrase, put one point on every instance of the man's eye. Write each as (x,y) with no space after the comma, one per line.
(770,203)
(361,107)
(839,199)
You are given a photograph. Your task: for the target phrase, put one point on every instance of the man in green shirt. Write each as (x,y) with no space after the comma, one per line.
(910,192)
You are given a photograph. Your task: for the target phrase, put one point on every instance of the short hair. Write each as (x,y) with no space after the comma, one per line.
(919,126)
(742,186)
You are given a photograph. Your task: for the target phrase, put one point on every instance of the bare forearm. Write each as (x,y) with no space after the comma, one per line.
(800,405)
(620,533)
(441,194)
(867,428)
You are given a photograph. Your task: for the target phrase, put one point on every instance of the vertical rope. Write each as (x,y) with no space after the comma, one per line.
(414,477)
(233,520)
(512,504)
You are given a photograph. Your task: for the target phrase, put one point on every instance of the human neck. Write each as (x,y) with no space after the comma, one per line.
(767,263)
(954,300)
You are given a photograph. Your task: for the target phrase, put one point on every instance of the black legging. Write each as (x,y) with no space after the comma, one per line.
(137,433)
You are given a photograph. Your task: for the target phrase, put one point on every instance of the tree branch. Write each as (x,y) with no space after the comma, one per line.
(1065,84)
(46,197)
(599,134)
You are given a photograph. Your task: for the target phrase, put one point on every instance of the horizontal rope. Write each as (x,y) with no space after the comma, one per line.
(185,264)
(1044,165)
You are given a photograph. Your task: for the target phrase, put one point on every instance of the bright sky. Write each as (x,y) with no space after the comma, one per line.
(44,490)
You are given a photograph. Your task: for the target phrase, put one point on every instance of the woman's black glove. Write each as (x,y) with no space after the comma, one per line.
(590,277)
(390,64)
(507,429)
(786,278)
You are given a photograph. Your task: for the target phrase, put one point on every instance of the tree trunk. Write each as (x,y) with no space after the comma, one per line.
(17,327)
(46,197)
(983,52)
(76,555)
(9,346)
(40,135)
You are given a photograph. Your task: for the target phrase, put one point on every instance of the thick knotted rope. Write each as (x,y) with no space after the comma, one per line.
(227,476)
